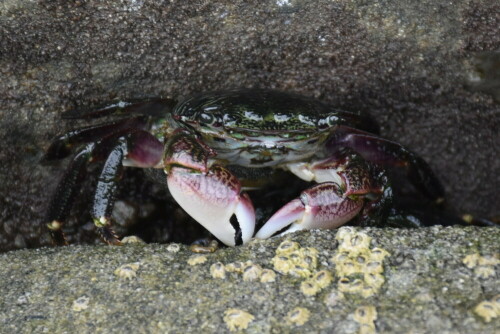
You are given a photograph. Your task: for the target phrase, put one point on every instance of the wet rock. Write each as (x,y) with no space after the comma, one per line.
(149,288)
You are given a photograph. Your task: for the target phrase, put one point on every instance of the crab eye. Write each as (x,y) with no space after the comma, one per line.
(332,120)
(207,118)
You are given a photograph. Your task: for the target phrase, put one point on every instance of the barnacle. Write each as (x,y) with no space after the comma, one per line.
(359,268)
(483,266)
(298,316)
(294,260)
(236,319)
(267,276)
(80,304)
(218,270)
(366,316)
(127,271)
(252,272)
(196,259)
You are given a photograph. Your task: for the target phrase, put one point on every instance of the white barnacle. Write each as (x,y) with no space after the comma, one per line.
(236,267)
(268,276)
(252,272)
(298,316)
(80,304)
(173,248)
(309,288)
(366,316)
(127,271)
(287,247)
(323,278)
(132,239)
(236,319)
(218,270)
(197,259)
(487,310)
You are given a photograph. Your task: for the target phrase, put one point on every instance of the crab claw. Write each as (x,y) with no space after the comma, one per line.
(214,200)
(321,206)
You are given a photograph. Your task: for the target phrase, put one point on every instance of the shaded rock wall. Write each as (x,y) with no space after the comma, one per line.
(412,65)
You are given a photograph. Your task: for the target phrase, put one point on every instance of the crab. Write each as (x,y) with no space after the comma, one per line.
(203,140)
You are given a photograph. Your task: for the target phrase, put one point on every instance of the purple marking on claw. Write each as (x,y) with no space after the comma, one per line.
(319,207)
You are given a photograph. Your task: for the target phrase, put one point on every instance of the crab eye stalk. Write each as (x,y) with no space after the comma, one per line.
(206,118)
(210,119)
(332,120)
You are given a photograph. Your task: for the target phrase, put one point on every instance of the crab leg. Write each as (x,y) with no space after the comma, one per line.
(209,194)
(67,188)
(139,148)
(345,181)
(104,197)
(385,152)
(62,145)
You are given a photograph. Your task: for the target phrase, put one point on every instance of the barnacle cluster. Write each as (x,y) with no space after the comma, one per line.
(249,271)
(488,309)
(316,283)
(127,271)
(302,262)
(358,267)
(292,259)
(484,266)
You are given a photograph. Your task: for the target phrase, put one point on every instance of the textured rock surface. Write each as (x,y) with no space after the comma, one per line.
(427,287)
(410,64)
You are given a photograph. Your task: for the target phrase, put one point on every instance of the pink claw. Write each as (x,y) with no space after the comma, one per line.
(321,206)
(215,201)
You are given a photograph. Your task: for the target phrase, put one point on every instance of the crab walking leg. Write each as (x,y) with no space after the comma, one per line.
(138,148)
(385,152)
(321,206)
(64,196)
(211,195)
(105,192)
(61,147)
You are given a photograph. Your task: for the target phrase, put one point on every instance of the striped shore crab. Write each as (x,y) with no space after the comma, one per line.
(201,142)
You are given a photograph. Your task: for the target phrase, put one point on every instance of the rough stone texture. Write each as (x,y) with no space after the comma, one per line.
(416,66)
(427,288)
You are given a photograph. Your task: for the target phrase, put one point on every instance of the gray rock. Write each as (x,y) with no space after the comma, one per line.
(428,288)
(419,68)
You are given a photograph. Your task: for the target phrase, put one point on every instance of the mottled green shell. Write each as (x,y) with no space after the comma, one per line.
(257,110)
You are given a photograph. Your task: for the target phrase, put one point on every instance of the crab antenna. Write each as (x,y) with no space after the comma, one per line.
(150,107)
